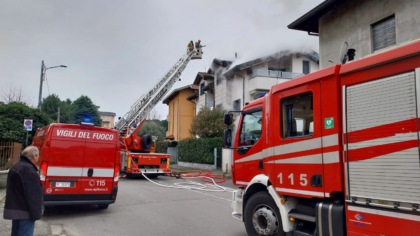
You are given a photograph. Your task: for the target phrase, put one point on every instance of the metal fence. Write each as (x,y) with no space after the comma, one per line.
(9,154)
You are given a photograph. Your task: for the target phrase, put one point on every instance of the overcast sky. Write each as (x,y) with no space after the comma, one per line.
(116,50)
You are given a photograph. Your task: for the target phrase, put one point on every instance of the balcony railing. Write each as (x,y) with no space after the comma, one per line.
(274,74)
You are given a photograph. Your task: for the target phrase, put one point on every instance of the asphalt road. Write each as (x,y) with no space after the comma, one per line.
(145,208)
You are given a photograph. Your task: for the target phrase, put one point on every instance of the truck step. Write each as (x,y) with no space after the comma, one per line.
(302,217)
(302,233)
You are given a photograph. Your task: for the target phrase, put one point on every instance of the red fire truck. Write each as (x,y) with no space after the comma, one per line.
(335,152)
(79,164)
(137,152)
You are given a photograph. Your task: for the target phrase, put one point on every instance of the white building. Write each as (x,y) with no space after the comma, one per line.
(229,86)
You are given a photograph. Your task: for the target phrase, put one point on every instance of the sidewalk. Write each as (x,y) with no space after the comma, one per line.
(42,228)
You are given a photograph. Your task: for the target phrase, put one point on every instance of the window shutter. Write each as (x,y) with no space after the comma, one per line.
(383,33)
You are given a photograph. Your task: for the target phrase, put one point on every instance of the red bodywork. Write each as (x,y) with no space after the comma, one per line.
(348,146)
(78,164)
(138,155)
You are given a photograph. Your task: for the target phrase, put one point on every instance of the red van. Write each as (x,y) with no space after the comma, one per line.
(79,164)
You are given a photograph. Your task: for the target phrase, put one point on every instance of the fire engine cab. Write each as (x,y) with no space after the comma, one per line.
(335,152)
(79,164)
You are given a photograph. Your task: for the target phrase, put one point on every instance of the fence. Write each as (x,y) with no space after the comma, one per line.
(9,154)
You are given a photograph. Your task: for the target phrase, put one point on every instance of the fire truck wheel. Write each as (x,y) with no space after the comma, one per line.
(103,207)
(262,217)
(146,142)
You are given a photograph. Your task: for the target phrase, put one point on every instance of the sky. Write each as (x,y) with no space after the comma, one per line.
(117,50)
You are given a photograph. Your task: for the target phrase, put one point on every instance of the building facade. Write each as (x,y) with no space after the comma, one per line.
(181,112)
(229,86)
(367,26)
(108,119)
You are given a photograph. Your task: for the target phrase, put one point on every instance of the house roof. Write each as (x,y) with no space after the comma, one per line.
(106,113)
(193,96)
(309,21)
(175,92)
(202,75)
(312,55)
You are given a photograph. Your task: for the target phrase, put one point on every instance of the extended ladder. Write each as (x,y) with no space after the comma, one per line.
(144,105)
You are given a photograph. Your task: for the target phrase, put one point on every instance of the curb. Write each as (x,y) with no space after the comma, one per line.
(3,181)
(2,194)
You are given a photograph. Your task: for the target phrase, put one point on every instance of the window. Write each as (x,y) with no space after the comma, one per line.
(305,67)
(250,128)
(202,88)
(237,105)
(218,78)
(297,116)
(383,33)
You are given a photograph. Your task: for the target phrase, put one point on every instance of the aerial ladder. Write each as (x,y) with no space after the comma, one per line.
(135,149)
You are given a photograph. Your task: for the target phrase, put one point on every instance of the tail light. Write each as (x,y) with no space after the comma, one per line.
(116,173)
(43,172)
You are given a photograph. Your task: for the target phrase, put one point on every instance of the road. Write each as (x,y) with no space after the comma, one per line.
(144,208)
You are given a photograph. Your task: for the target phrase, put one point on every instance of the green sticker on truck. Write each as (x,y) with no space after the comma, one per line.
(329,123)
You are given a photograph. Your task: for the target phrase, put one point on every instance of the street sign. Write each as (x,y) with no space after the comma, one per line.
(27,123)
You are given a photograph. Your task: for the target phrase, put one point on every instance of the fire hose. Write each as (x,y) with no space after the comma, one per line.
(205,176)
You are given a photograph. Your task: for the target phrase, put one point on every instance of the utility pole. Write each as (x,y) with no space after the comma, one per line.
(43,71)
(58,115)
(40,84)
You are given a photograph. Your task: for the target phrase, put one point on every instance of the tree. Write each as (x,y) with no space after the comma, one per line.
(208,123)
(14,95)
(66,112)
(164,124)
(50,105)
(153,128)
(11,122)
(82,107)
(53,106)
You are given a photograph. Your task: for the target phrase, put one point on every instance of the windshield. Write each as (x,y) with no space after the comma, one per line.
(250,128)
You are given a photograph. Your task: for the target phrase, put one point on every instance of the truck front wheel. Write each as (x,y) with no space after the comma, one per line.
(262,216)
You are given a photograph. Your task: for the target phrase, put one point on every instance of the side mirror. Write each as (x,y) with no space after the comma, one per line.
(227,138)
(228,119)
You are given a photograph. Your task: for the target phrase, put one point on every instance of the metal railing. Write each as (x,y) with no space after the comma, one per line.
(274,74)
(9,154)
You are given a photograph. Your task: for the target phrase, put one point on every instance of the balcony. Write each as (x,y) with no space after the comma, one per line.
(274,74)
(262,79)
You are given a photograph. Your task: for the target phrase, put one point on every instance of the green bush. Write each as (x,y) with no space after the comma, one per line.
(200,150)
(161,146)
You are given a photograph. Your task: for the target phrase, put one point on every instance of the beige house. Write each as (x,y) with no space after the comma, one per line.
(181,112)
(108,119)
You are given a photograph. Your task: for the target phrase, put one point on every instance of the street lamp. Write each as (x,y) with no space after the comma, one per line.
(43,70)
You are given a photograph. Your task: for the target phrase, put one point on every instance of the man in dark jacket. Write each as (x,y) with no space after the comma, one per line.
(24,197)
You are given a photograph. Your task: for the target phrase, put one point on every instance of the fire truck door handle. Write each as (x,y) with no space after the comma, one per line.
(90,172)
(243,150)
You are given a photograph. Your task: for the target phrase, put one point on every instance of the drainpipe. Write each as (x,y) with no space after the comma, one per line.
(243,90)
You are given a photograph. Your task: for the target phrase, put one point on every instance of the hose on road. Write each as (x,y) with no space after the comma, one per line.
(204,176)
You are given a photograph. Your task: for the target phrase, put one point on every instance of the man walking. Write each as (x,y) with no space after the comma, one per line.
(24,198)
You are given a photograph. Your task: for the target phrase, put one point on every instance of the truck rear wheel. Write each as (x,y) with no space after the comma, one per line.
(262,216)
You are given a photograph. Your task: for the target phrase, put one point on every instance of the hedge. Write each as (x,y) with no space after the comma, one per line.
(200,150)
(161,147)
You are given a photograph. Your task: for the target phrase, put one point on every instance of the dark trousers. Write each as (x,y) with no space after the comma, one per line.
(23,227)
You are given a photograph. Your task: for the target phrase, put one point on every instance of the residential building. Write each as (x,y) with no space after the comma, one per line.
(367,26)
(181,112)
(108,119)
(229,86)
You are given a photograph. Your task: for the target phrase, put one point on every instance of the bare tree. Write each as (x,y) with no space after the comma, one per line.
(14,95)
(153,115)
